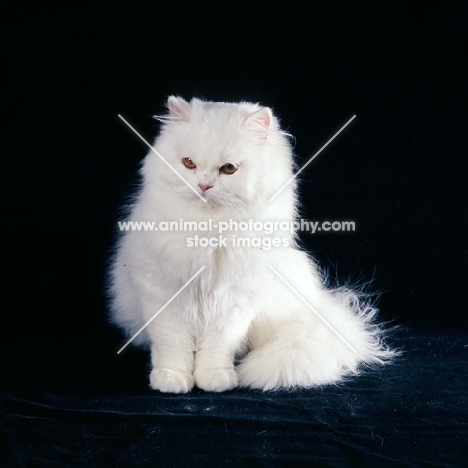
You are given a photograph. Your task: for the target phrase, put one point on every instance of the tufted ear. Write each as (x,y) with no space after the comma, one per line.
(259,122)
(179,109)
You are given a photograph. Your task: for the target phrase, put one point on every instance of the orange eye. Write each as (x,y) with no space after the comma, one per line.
(187,162)
(228,169)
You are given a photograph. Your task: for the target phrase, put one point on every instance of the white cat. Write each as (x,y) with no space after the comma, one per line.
(267,306)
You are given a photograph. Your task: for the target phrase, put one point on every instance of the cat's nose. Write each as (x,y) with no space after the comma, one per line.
(204,187)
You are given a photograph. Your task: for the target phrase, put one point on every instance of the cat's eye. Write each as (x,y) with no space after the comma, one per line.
(228,169)
(188,163)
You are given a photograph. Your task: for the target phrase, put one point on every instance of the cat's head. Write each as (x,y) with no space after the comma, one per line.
(221,154)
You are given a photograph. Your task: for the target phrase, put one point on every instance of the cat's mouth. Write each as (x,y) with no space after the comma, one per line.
(215,200)
(232,206)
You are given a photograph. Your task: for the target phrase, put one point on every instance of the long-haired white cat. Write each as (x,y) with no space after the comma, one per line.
(259,314)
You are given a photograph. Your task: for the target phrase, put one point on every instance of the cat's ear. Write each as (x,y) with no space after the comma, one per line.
(259,122)
(179,109)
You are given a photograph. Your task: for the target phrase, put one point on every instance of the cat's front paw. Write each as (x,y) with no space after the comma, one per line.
(171,381)
(216,380)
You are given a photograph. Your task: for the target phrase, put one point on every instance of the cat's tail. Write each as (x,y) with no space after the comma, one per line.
(313,346)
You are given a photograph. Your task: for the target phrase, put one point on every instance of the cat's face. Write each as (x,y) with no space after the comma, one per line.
(219,149)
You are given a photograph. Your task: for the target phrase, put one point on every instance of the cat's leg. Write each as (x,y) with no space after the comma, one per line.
(216,350)
(172,353)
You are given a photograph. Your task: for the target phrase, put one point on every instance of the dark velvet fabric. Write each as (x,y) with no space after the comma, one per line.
(413,414)
(398,170)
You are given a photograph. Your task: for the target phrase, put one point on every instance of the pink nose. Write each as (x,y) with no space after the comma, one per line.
(204,187)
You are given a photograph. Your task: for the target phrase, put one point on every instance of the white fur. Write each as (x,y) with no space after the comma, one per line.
(237,306)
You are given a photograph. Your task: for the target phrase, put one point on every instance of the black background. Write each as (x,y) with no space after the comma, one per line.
(398,170)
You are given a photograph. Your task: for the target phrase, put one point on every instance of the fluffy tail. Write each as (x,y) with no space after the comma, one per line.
(335,338)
